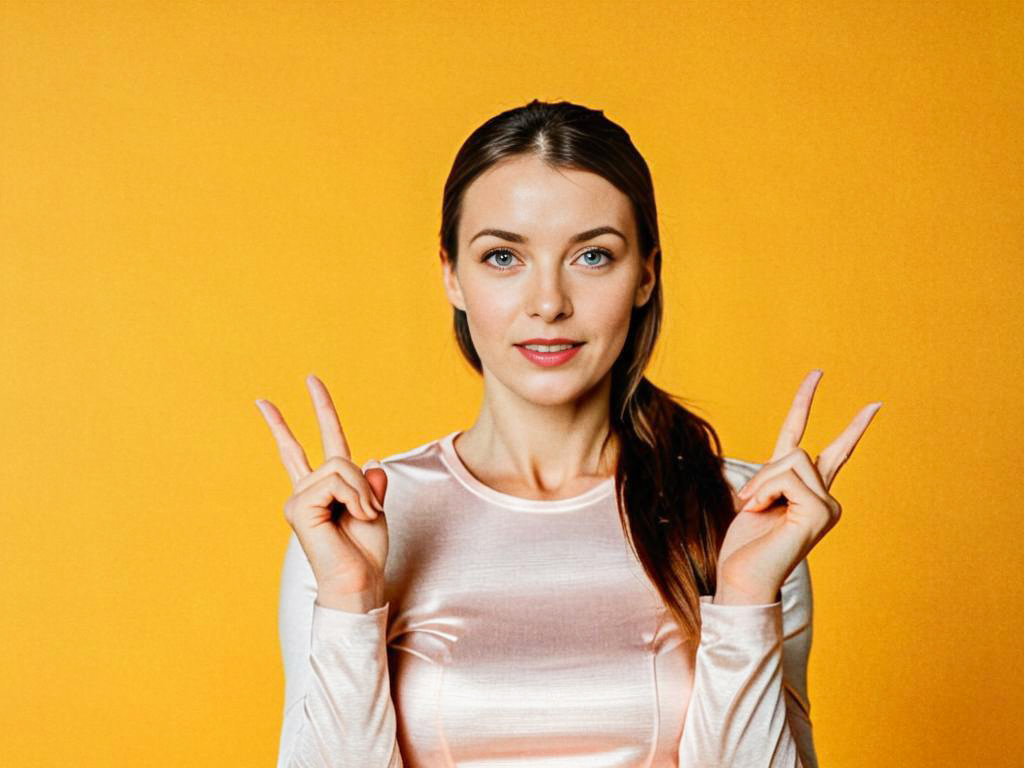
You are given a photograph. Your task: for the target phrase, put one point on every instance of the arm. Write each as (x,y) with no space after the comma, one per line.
(797,622)
(749,704)
(338,710)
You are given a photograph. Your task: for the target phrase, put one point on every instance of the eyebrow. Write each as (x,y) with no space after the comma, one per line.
(514,238)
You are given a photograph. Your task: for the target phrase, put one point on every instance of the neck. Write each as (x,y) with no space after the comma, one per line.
(542,447)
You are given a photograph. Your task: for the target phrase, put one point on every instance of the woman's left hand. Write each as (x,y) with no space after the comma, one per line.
(788,507)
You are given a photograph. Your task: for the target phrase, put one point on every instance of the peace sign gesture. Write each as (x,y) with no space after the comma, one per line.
(788,507)
(334,510)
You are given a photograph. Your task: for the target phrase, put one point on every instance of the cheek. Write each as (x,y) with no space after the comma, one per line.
(490,315)
(608,313)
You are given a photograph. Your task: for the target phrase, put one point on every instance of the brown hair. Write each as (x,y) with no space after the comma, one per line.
(674,501)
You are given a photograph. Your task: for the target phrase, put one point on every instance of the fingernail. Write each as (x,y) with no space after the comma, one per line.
(747,506)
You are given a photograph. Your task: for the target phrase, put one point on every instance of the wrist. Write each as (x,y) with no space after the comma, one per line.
(351,602)
(730,594)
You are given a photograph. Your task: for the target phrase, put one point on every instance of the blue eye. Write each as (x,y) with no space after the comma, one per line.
(495,252)
(504,253)
(597,252)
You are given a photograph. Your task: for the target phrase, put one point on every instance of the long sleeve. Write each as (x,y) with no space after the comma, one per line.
(525,631)
(749,706)
(338,710)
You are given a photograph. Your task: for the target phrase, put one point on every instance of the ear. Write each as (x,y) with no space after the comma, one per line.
(450,279)
(648,279)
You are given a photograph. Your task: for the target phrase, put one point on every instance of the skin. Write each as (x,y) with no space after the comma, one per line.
(539,430)
(786,506)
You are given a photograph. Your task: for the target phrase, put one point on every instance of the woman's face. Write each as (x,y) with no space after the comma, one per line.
(533,265)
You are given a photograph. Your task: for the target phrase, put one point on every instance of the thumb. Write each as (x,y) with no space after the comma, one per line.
(377,478)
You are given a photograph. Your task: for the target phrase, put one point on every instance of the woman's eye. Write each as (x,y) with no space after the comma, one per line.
(503,258)
(501,253)
(597,253)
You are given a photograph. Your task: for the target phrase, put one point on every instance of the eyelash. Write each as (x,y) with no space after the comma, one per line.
(600,251)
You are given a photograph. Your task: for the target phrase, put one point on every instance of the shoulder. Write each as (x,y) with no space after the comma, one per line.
(738,471)
(412,456)
(426,456)
(412,473)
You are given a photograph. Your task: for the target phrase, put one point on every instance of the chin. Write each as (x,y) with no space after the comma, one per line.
(552,393)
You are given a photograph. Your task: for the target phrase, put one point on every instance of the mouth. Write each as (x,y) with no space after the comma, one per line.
(547,348)
(548,355)
(549,345)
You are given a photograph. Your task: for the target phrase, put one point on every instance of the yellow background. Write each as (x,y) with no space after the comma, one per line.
(203,202)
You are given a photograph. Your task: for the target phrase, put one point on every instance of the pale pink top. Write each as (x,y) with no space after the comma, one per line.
(522,633)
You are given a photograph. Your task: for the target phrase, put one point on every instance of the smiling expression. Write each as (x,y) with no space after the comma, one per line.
(547,253)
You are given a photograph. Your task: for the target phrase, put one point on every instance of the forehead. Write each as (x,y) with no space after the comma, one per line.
(528,196)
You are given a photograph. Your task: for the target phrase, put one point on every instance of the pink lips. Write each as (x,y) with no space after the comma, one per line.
(548,359)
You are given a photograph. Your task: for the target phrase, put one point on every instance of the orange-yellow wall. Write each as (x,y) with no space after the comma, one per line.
(200,203)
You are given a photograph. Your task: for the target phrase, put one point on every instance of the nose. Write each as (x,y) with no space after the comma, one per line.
(546,294)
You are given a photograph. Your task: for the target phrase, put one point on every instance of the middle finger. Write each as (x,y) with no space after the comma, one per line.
(292,455)
(839,450)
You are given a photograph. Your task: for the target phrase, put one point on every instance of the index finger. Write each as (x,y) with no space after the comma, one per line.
(796,420)
(331,434)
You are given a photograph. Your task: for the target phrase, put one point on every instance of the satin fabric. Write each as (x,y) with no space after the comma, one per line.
(524,633)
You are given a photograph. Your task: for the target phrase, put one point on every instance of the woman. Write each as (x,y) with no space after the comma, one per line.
(568,582)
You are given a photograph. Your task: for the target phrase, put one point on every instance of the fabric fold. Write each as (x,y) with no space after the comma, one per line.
(737,715)
(346,717)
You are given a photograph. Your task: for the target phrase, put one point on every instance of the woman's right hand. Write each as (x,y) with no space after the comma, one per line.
(334,510)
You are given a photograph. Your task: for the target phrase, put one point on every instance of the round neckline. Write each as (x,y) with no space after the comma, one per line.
(456,466)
